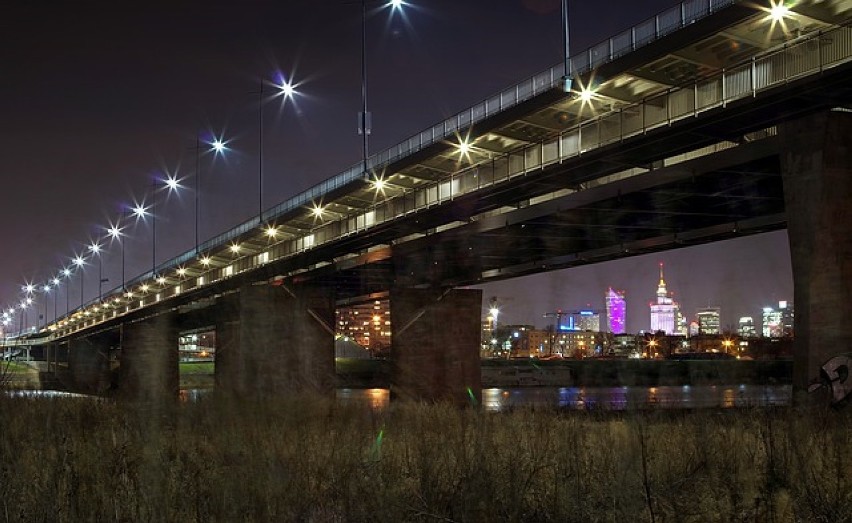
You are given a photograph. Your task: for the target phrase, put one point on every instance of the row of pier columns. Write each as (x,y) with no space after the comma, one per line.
(277,339)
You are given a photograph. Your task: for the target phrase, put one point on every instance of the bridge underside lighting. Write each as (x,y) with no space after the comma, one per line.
(317,211)
(205,261)
(235,248)
(271,232)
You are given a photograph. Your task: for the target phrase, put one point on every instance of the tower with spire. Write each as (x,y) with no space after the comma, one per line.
(665,312)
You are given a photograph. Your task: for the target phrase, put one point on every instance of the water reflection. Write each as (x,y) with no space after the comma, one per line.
(573,398)
(621,398)
(376,399)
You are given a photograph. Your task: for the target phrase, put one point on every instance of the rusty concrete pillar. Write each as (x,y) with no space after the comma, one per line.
(149,359)
(816,163)
(88,364)
(435,338)
(282,343)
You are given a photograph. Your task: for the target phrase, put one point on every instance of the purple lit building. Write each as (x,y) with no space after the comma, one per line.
(616,311)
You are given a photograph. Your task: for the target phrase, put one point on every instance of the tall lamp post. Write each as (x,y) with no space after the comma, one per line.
(66,273)
(55,282)
(171,182)
(287,89)
(114,232)
(566,48)
(364,117)
(218,146)
(95,249)
(79,261)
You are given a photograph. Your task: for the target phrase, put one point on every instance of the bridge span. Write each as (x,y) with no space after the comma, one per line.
(715,119)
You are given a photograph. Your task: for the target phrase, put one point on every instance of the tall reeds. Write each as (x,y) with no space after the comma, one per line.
(309,459)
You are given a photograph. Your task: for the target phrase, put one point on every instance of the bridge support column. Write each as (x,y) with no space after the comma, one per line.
(149,359)
(816,165)
(283,342)
(435,342)
(227,368)
(88,364)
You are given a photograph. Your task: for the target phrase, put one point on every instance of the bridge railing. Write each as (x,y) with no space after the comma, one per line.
(642,34)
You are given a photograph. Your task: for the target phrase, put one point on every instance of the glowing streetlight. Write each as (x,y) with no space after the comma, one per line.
(79,261)
(95,249)
(115,235)
(287,89)
(364,117)
(779,11)
(218,146)
(66,273)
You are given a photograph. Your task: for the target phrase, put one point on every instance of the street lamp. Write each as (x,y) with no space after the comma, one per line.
(114,232)
(95,249)
(364,117)
(55,282)
(66,273)
(284,88)
(217,146)
(79,261)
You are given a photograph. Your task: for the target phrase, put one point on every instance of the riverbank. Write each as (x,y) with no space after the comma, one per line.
(308,459)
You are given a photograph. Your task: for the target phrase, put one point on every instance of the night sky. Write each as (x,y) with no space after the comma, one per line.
(96,98)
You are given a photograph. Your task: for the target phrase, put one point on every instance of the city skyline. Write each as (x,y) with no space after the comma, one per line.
(136,88)
(694,278)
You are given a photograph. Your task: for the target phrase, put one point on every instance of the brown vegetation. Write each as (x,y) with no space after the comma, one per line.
(317,460)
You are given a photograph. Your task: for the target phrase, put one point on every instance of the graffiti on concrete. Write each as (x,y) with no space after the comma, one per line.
(834,375)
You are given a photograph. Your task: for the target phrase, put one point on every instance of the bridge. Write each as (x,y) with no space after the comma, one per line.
(712,120)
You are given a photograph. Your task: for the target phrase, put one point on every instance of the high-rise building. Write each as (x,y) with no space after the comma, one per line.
(787,314)
(708,320)
(778,323)
(616,311)
(665,312)
(746,327)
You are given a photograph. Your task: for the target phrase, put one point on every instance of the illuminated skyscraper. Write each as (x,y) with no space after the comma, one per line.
(708,320)
(616,311)
(664,313)
(778,323)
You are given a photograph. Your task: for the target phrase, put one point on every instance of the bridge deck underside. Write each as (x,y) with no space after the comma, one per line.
(738,192)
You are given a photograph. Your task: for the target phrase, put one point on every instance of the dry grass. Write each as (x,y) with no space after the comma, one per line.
(316,460)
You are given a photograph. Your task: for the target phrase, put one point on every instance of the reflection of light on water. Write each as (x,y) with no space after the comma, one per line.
(728,398)
(378,398)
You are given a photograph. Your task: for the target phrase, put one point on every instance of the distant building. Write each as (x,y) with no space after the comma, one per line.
(693,328)
(708,320)
(586,320)
(778,323)
(578,344)
(367,324)
(664,313)
(616,311)
(746,327)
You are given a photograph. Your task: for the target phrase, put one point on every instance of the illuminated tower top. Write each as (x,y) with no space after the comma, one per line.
(661,288)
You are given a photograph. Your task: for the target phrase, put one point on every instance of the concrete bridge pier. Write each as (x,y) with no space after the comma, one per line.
(279,341)
(149,359)
(817,173)
(435,343)
(88,363)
